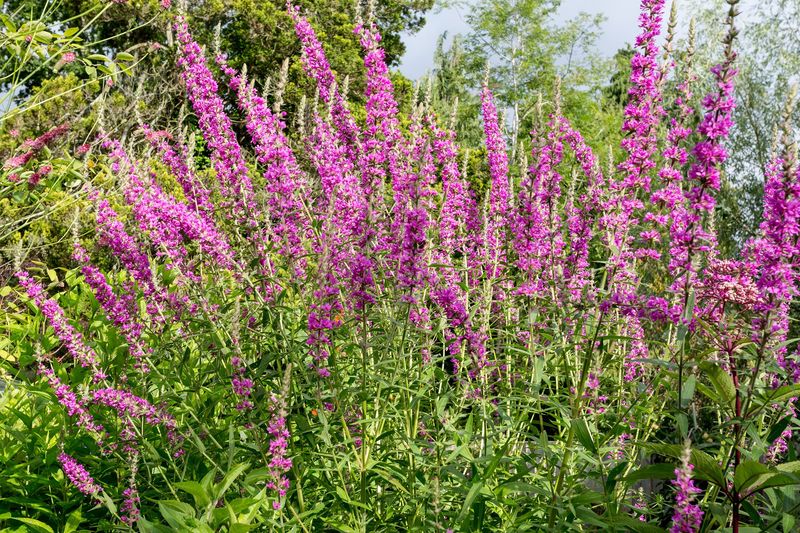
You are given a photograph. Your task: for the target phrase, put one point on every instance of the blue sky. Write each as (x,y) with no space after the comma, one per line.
(620,27)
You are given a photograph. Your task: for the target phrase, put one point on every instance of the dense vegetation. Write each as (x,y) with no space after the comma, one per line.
(248,292)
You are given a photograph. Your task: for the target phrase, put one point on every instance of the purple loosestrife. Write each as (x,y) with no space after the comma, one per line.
(413,203)
(285,182)
(538,241)
(176,160)
(130,409)
(459,231)
(74,405)
(459,224)
(341,201)
(644,110)
(226,154)
(776,254)
(34,146)
(317,67)
(497,218)
(641,117)
(689,237)
(129,510)
(112,234)
(341,205)
(687,516)
(120,310)
(169,222)
(279,463)
(382,123)
(382,140)
(129,405)
(581,213)
(669,207)
(242,385)
(79,476)
(72,340)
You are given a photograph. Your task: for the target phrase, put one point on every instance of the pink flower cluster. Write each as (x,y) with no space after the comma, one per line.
(78,476)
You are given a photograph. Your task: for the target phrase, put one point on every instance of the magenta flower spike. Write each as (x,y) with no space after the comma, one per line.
(499,195)
(687,515)
(215,125)
(72,340)
(175,157)
(122,311)
(286,183)
(79,476)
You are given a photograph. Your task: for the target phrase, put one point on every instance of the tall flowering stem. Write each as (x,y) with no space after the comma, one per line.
(167,221)
(176,159)
(227,157)
(74,405)
(121,310)
(286,183)
(687,516)
(279,464)
(79,476)
(72,340)
(497,218)
(128,250)
(689,237)
(316,65)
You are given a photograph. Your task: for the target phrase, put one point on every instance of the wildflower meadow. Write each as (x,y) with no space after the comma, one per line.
(301,304)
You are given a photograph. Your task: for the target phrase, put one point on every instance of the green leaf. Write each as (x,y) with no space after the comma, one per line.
(722,382)
(792,467)
(611,480)
(125,56)
(635,524)
(654,471)
(778,428)
(788,522)
(73,521)
(469,500)
(782,393)
(36,524)
(747,474)
(582,433)
(201,497)
(705,466)
(687,391)
(176,513)
(230,477)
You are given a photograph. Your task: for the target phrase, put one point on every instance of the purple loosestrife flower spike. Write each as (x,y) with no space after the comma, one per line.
(644,110)
(74,405)
(79,476)
(536,223)
(226,154)
(128,251)
(167,221)
(120,310)
(689,235)
(278,431)
(73,341)
(317,67)
(775,254)
(286,183)
(498,216)
(459,224)
(687,516)
(641,118)
(175,157)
